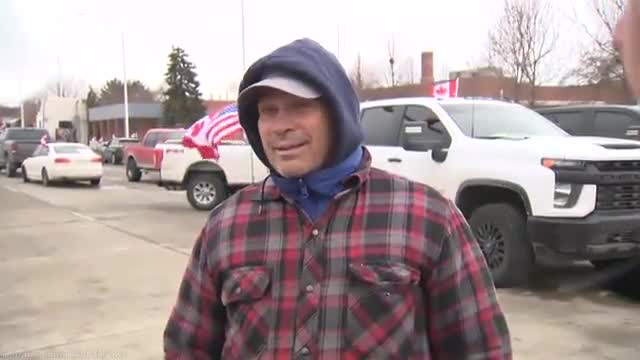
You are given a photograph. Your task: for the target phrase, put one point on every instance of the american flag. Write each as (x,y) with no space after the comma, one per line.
(207,133)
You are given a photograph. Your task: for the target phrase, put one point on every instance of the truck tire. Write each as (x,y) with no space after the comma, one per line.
(205,190)
(133,172)
(500,229)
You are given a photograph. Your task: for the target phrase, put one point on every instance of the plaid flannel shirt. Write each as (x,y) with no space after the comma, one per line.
(391,271)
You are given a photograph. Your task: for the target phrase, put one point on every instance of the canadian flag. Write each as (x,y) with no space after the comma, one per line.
(445,89)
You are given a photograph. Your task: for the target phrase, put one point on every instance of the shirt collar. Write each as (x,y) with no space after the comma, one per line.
(268,191)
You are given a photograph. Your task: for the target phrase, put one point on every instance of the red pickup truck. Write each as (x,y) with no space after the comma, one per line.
(143,156)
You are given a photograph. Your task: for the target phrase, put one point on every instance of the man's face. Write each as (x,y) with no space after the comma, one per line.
(626,40)
(295,132)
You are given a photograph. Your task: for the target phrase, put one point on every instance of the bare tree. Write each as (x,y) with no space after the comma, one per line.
(600,61)
(361,77)
(391,50)
(65,88)
(521,40)
(406,72)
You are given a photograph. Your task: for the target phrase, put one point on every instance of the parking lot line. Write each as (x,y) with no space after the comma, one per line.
(84,217)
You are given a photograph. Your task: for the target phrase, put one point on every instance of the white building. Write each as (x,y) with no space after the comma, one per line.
(63,112)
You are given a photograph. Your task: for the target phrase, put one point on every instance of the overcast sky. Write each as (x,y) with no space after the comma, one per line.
(41,40)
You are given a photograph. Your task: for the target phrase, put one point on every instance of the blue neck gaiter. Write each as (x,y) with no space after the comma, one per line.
(314,191)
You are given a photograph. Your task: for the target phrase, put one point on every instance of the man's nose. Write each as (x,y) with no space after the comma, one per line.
(279,123)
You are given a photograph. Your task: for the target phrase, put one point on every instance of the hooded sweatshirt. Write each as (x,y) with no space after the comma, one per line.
(308,61)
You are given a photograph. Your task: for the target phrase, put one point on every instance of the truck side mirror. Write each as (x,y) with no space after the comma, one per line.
(414,138)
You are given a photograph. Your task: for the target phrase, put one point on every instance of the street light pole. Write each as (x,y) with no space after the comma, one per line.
(243,51)
(126,95)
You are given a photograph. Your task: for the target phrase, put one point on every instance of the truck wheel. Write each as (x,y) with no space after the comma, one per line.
(133,172)
(500,229)
(205,190)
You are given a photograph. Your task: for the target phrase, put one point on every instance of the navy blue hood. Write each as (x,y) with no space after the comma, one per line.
(309,62)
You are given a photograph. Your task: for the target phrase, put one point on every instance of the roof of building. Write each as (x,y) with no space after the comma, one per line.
(136,110)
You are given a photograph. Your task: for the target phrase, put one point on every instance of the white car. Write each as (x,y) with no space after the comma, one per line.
(63,162)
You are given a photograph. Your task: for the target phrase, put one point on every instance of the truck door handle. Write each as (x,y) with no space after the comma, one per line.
(397,160)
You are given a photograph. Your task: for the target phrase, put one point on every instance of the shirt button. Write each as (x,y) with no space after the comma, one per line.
(305,351)
(315,232)
(309,288)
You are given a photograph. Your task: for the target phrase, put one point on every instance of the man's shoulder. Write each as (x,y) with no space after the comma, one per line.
(384,182)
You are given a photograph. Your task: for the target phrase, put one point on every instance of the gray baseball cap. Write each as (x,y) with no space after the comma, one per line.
(282,82)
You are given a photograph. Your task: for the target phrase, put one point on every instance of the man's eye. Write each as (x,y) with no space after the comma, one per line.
(267,111)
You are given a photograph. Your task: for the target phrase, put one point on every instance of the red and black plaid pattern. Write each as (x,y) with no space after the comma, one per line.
(391,271)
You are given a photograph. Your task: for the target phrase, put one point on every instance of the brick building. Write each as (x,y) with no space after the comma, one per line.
(490,82)
(108,120)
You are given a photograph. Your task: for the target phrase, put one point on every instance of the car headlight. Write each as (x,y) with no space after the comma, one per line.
(563,164)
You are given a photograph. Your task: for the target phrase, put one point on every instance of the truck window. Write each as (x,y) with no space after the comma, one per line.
(613,124)
(151,140)
(435,131)
(480,120)
(382,125)
(572,122)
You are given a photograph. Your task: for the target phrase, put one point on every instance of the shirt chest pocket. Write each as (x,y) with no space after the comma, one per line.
(381,311)
(245,295)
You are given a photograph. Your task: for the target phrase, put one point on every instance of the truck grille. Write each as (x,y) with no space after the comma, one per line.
(622,165)
(618,197)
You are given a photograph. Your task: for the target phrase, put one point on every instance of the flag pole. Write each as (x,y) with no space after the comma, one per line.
(244,68)
(126,95)
(243,48)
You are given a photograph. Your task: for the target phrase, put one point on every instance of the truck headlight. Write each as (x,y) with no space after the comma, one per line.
(562,195)
(563,164)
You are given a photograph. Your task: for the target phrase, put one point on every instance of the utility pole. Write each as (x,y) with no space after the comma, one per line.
(244,68)
(126,96)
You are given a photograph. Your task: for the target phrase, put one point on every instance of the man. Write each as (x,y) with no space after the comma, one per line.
(627,40)
(329,258)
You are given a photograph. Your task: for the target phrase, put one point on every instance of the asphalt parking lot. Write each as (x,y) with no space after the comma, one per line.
(92,273)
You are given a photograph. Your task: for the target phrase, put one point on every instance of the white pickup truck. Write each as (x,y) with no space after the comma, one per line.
(526,187)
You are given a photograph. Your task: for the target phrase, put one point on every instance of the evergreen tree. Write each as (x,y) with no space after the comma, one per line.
(183,103)
(92,98)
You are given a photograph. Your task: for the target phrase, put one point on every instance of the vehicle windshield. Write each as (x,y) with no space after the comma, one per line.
(500,121)
(176,135)
(71,149)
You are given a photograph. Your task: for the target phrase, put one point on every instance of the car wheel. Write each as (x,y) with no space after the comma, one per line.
(94,182)
(45,178)
(25,178)
(133,172)
(500,230)
(205,190)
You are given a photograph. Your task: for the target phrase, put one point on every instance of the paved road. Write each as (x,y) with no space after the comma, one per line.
(93,272)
